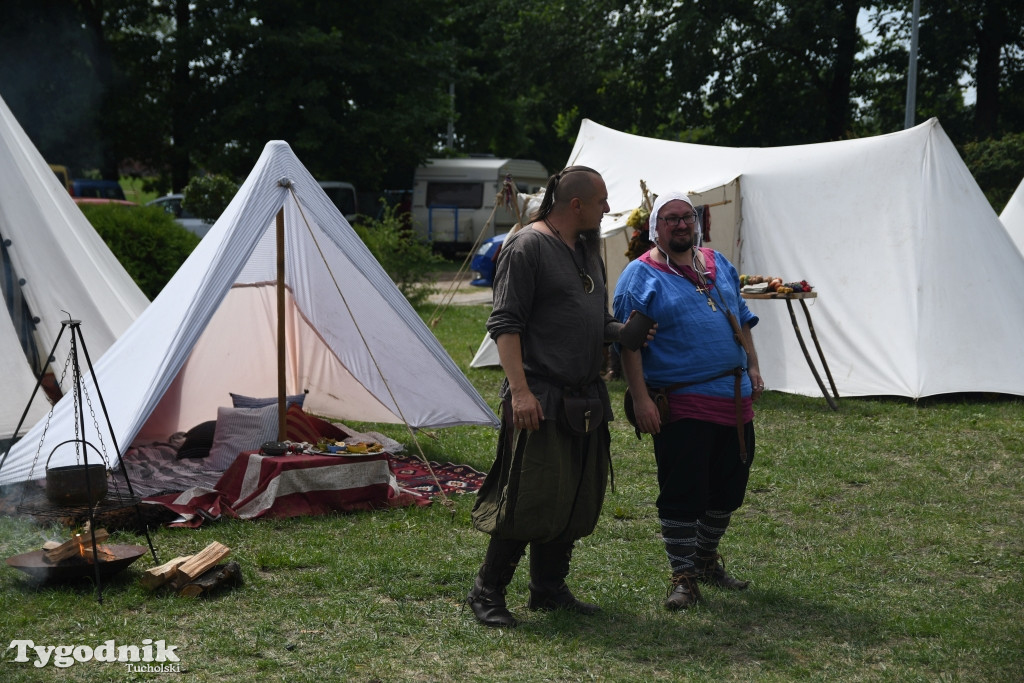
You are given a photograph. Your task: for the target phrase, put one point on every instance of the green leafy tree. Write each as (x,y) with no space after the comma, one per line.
(407,261)
(997,165)
(207,196)
(978,43)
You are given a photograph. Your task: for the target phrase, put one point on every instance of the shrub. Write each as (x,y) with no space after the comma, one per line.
(407,261)
(207,196)
(145,239)
(997,164)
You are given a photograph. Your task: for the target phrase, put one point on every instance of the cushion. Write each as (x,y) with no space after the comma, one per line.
(198,440)
(299,427)
(328,430)
(239,401)
(240,430)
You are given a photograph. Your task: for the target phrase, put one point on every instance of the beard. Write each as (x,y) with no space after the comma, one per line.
(590,237)
(681,244)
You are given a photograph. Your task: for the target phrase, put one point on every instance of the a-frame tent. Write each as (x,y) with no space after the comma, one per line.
(353,341)
(1013,216)
(916,276)
(54,266)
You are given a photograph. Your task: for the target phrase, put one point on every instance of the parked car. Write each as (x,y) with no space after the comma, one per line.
(171,203)
(484,259)
(100,189)
(344,197)
(63,176)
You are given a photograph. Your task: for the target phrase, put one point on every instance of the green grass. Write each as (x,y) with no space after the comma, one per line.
(884,542)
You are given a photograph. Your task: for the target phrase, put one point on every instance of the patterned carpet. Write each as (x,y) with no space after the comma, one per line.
(416,479)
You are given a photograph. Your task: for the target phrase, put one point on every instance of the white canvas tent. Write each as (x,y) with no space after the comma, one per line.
(1013,216)
(917,278)
(55,262)
(353,341)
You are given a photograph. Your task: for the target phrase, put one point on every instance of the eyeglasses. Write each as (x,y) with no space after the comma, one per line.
(674,221)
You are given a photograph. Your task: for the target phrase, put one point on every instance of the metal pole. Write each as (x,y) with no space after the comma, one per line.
(451,117)
(908,120)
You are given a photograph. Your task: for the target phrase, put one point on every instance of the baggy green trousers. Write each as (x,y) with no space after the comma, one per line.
(544,486)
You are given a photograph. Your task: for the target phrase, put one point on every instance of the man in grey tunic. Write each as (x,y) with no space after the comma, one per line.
(550,323)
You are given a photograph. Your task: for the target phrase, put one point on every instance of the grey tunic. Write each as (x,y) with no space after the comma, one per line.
(538,295)
(548,485)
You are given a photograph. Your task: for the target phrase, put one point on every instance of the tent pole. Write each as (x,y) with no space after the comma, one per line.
(281,412)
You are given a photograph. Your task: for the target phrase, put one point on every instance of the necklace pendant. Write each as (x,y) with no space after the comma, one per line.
(712,305)
(588,283)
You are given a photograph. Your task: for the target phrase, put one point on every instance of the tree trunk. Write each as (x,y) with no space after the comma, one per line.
(990,36)
(837,109)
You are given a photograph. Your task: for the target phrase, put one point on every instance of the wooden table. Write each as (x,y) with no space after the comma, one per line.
(802,297)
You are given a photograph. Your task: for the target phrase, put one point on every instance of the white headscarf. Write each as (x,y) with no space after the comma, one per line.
(662,200)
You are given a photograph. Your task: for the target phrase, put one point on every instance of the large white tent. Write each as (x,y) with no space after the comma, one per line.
(353,341)
(916,276)
(56,264)
(1013,216)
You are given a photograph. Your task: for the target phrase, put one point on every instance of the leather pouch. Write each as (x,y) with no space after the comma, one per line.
(581,415)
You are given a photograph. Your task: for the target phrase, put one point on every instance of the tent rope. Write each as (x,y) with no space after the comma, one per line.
(445,500)
(506,197)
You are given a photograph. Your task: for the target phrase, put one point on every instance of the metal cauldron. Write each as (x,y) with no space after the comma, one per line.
(76,484)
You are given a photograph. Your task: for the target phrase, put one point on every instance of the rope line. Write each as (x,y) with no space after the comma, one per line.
(446,502)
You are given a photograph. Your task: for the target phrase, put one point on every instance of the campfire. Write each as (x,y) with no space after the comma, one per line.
(77,558)
(79,548)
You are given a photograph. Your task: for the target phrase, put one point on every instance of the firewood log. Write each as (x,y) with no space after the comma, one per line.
(199,563)
(158,576)
(222,576)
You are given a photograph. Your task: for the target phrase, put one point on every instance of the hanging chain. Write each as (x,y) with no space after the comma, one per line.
(96,426)
(49,416)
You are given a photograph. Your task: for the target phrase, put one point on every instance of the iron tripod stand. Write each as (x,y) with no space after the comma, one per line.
(105,502)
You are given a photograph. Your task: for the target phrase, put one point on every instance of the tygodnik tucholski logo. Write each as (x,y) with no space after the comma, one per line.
(154,657)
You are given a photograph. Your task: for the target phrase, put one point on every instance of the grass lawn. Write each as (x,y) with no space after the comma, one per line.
(885,542)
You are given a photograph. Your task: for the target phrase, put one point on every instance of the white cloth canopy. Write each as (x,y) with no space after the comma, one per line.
(58,265)
(1013,216)
(353,341)
(918,280)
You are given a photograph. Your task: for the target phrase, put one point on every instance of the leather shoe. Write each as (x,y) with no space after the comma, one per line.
(684,592)
(711,570)
(488,604)
(559,599)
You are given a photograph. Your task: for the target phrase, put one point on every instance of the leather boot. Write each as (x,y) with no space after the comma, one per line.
(711,570)
(684,592)
(549,565)
(487,598)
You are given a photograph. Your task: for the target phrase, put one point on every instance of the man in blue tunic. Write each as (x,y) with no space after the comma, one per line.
(704,363)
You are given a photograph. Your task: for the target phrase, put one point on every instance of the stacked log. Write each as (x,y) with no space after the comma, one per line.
(195,575)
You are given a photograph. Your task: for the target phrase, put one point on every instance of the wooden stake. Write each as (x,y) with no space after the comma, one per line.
(282,420)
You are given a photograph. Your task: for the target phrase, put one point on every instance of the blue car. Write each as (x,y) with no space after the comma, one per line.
(484,260)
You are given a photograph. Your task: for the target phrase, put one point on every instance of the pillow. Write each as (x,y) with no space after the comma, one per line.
(239,401)
(239,430)
(198,441)
(298,426)
(327,430)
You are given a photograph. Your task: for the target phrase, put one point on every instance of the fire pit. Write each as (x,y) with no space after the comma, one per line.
(35,564)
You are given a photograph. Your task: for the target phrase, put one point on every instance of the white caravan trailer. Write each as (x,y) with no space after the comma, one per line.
(453,198)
